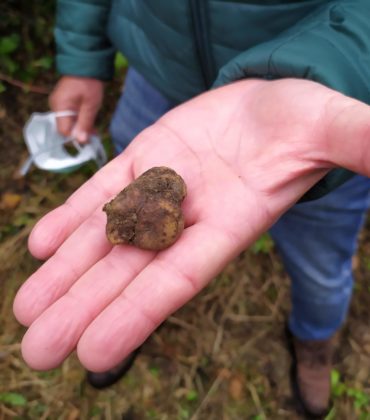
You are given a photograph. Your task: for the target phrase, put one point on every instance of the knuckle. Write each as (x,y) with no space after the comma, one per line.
(64,127)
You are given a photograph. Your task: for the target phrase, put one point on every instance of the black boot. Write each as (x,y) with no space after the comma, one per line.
(310,375)
(101,380)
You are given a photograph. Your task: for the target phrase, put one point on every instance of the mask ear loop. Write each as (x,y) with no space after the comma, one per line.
(26,166)
(66,113)
(58,114)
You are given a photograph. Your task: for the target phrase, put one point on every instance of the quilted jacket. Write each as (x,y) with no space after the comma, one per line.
(184,47)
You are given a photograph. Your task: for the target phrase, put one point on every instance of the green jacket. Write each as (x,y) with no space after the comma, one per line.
(184,47)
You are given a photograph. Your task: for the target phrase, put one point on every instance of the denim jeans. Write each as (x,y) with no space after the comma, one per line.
(316,239)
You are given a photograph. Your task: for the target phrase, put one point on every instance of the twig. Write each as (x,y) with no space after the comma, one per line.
(256,400)
(218,340)
(7,411)
(181,323)
(249,318)
(216,383)
(245,347)
(23,384)
(45,415)
(24,86)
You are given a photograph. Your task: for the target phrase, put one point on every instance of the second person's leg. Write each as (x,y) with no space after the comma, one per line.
(317,241)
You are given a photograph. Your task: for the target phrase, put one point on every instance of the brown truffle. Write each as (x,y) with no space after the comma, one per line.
(147,213)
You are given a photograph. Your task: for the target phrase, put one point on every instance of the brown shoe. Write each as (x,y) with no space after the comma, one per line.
(312,364)
(101,380)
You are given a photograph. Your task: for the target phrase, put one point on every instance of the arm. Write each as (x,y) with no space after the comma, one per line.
(331,46)
(85,59)
(83,48)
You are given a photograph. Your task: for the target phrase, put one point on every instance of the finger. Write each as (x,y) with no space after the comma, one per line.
(55,334)
(54,228)
(85,121)
(348,135)
(65,125)
(86,246)
(167,283)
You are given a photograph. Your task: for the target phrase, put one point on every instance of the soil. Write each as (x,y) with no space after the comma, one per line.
(222,356)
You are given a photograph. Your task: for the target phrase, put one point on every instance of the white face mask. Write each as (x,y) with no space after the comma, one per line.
(46,145)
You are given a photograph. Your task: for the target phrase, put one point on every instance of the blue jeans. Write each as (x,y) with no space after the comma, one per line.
(316,239)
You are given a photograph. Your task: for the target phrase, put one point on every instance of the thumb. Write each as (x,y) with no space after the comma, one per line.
(65,125)
(348,134)
(85,122)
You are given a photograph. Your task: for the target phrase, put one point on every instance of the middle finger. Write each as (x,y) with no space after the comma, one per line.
(56,332)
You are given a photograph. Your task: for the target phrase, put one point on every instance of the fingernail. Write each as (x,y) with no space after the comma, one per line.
(80,136)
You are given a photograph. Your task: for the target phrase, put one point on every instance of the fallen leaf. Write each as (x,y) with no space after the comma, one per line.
(74,414)
(13,398)
(224,373)
(236,388)
(10,201)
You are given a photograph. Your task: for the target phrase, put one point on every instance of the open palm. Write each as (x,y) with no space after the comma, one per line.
(246,151)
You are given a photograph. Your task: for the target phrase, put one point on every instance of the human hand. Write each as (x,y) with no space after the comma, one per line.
(81,94)
(246,151)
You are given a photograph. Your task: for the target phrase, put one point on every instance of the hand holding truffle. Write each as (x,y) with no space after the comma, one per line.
(246,151)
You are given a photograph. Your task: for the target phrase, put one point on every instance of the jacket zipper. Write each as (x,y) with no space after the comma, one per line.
(199,17)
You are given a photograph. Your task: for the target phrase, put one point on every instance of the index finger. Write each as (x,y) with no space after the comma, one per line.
(54,228)
(65,124)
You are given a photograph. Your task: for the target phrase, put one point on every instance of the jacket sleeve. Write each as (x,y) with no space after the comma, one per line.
(83,48)
(331,46)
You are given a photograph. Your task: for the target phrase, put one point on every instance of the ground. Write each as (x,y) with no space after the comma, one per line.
(222,356)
